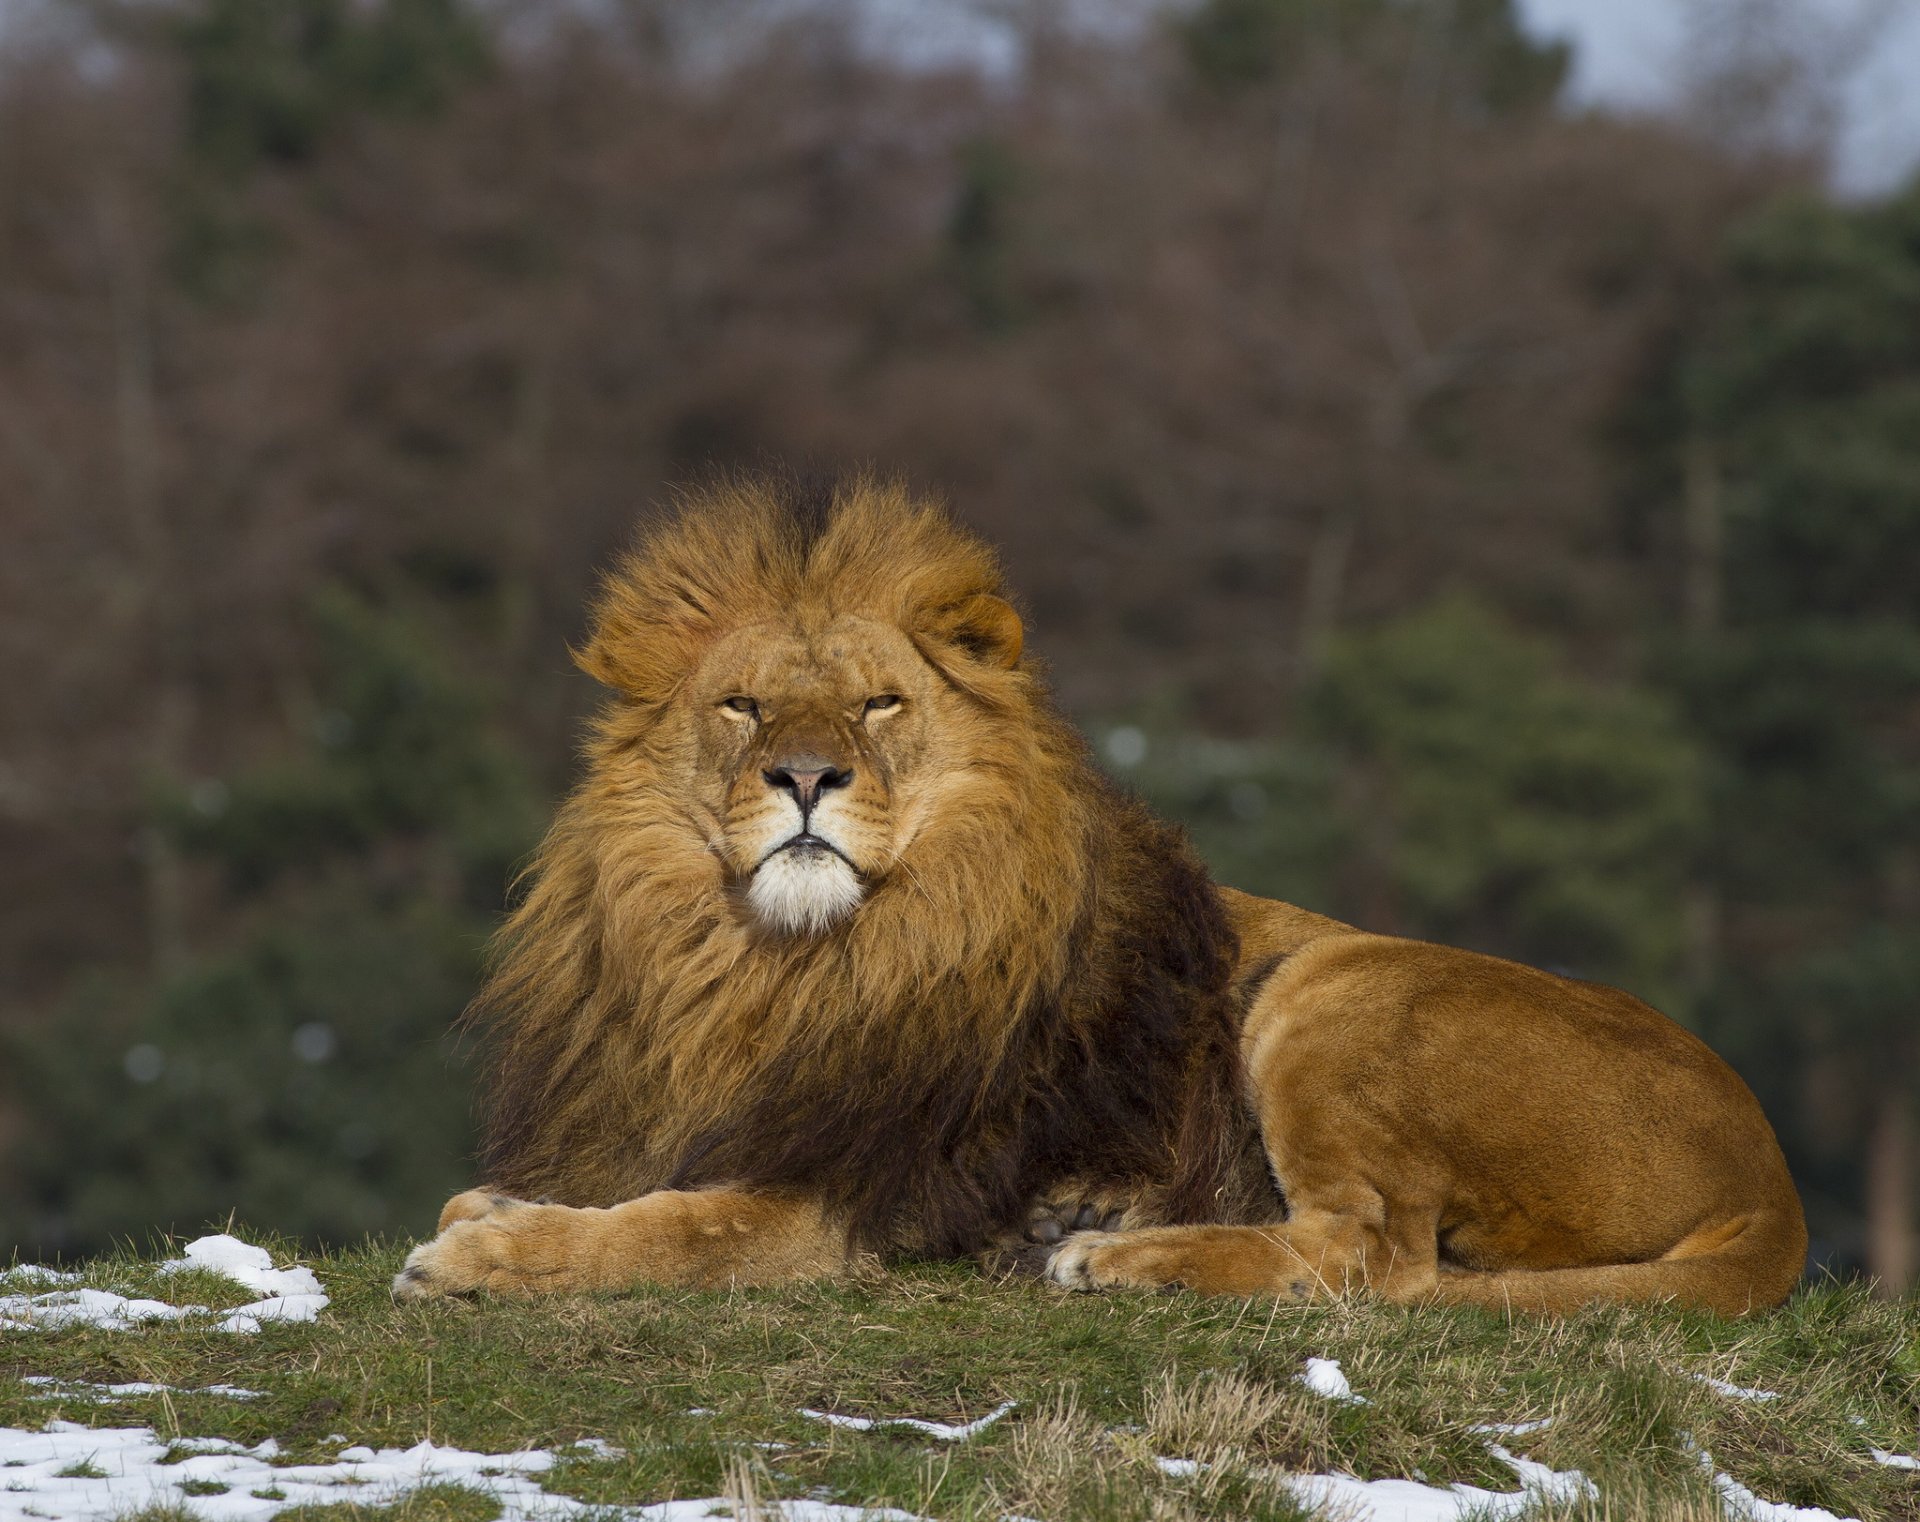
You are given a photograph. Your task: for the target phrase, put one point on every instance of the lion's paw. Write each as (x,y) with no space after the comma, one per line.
(1090,1260)
(1052,1220)
(487,1242)
(1209,1260)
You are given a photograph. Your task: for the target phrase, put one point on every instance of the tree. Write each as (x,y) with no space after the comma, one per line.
(1453,781)
(1801,382)
(299,1073)
(1475,50)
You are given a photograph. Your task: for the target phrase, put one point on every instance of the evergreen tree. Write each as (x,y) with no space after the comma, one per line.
(267,82)
(1493,64)
(1452,781)
(300,1074)
(1800,386)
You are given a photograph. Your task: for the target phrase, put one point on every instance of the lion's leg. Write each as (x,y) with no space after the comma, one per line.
(697,1238)
(1363,1212)
(1732,1268)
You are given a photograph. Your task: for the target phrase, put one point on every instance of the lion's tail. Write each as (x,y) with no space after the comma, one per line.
(1730,1267)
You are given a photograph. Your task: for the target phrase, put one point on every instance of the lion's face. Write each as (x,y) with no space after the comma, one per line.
(814,741)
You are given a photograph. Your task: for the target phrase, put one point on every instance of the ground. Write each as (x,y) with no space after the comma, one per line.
(705,1394)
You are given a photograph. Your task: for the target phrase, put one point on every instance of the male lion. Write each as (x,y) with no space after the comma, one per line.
(843,945)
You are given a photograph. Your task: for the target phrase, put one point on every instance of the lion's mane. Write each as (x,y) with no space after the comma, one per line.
(1040,992)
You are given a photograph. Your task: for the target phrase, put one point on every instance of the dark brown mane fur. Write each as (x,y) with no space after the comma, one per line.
(1041,994)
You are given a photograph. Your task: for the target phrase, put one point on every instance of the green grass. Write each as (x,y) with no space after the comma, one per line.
(1104,1385)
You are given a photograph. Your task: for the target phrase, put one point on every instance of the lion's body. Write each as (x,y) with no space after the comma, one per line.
(1456,1126)
(843,944)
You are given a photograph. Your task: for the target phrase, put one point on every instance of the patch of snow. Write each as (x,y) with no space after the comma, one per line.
(940,1430)
(289,1294)
(34,1273)
(791,1511)
(1744,1505)
(1894,1460)
(1410,1501)
(1324,1376)
(1512,1429)
(100,1395)
(86,1307)
(1735,1392)
(1356,1500)
(131,1476)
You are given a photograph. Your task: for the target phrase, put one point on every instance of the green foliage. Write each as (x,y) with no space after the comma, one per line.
(400,749)
(303,1078)
(267,83)
(1807,374)
(1260,812)
(1799,720)
(300,1074)
(1232,44)
(1235,45)
(1453,782)
(1510,70)
(1805,378)
(267,79)
(1846,994)
(1509,805)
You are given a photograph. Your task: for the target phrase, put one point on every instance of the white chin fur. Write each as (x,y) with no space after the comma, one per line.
(803,892)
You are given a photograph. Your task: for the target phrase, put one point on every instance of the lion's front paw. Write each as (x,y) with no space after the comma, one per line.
(1211,1260)
(1100,1260)
(493,1243)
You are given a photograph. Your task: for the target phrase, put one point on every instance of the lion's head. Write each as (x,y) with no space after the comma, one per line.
(810,708)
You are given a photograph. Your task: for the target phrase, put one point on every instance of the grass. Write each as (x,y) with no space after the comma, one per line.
(1105,1386)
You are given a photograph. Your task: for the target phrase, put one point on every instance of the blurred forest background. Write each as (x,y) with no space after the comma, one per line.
(1476,518)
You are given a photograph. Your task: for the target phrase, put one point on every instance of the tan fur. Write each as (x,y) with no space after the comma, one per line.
(997,992)
(1454,1127)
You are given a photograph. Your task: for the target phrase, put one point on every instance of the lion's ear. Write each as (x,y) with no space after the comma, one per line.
(984,626)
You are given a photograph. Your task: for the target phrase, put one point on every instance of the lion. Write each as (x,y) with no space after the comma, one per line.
(844,949)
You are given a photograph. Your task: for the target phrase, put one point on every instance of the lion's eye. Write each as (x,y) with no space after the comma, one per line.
(746,706)
(885,701)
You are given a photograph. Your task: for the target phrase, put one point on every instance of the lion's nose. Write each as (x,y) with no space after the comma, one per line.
(807,777)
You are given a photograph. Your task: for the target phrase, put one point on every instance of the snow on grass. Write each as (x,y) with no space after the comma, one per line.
(83,1473)
(791,1511)
(1347,1496)
(1894,1460)
(1511,1429)
(288,1294)
(1410,1501)
(1357,1500)
(103,1395)
(1732,1391)
(1324,1376)
(34,1273)
(94,1474)
(940,1430)
(1745,1506)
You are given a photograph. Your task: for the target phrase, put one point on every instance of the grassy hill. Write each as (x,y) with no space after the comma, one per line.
(705,1394)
